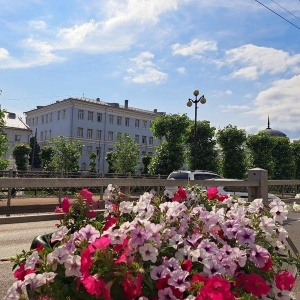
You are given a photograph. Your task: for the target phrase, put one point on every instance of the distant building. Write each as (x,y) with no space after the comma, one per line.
(95,123)
(17,132)
(273,132)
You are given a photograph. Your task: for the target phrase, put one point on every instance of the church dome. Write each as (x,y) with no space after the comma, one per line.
(273,132)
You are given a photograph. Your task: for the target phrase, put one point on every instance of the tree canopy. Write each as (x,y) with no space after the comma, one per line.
(233,161)
(125,154)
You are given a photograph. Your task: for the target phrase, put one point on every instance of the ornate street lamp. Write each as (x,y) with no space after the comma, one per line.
(190,102)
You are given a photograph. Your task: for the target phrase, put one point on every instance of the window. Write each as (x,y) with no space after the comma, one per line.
(58,115)
(47,118)
(99,134)
(42,119)
(91,116)
(150,153)
(127,122)
(137,138)
(89,150)
(110,149)
(119,120)
(143,153)
(98,151)
(110,136)
(80,114)
(144,139)
(144,124)
(50,133)
(150,140)
(89,133)
(64,114)
(137,123)
(41,135)
(79,132)
(37,121)
(32,121)
(17,138)
(45,134)
(99,117)
(51,116)
(83,167)
(111,119)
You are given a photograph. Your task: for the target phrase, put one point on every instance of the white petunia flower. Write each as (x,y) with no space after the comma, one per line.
(148,252)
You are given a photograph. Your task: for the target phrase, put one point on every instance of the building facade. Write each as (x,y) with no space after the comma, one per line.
(17,132)
(96,124)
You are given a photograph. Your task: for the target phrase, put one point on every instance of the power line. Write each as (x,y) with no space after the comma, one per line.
(278,14)
(286,9)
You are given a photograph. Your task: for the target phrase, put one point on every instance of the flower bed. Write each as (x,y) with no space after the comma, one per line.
(191,245)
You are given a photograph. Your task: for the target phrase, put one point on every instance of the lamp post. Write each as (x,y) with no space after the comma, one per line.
(190,102)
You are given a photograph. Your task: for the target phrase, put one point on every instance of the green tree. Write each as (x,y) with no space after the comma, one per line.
(66,154)
(169,156)
(3,142)
(233,161)
(126,154)
(284,161)
(296,152)
(206,154)
(34,155)
(92,164)
(46,154)
(146,159)
(166,158)
(261,148)
(20,154)
(110,159)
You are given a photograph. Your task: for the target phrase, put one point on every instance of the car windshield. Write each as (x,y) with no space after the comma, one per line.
(178,176)
(205,176)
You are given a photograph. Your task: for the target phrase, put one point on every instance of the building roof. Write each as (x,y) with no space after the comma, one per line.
(273,132)
(13,121)
(107,104)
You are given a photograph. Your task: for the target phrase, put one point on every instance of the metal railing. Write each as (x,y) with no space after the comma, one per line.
(257,184)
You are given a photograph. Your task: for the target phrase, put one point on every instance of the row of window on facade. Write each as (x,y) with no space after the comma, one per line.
(111,119)
(110,137)
(89,150)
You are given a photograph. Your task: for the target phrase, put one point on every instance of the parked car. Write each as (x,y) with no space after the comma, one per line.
(238,191)
(190,175)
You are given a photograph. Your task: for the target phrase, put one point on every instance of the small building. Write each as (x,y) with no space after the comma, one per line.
(16,132)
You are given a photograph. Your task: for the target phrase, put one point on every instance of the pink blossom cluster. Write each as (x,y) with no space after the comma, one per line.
(151,249)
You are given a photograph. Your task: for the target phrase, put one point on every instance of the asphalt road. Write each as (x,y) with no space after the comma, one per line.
(16,237)
(13,239)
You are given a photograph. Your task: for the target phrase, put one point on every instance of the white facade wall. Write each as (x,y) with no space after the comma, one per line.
(95,123)
(17,132)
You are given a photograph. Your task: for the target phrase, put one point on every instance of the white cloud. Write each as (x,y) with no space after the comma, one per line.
(136,11)
(253,61)
(39,53)
(181,70)
(37,24)
(196,48)
(219,94)
(144,70)
(232,108)
(280,101)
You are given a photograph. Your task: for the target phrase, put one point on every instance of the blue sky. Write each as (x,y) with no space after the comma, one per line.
(155,53)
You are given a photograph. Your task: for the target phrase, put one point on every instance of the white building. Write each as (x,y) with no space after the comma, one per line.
(95,123)
(17,132)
